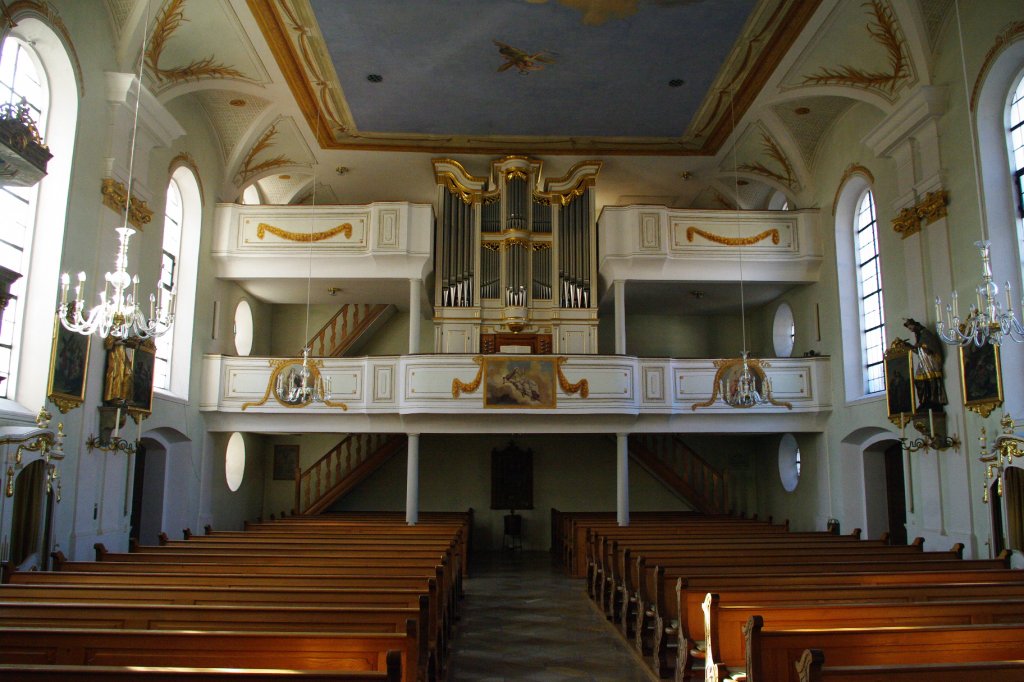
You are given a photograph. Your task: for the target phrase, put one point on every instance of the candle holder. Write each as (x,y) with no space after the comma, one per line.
(932,428)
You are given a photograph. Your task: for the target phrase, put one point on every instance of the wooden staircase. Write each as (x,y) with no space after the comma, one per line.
(681,469)
(350,327)
(345,466)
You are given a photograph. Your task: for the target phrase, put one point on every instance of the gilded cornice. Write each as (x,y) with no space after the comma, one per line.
(49,14)
(851,170)
(185,159)
(931,208)
(1005,37)
(115,197)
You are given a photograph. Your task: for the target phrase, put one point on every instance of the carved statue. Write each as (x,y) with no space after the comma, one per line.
(117,388)
(928,375)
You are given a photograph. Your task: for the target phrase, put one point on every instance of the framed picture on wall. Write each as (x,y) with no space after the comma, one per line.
(899,384)
(143,359)
(69,366)
(981,377)
(286,460)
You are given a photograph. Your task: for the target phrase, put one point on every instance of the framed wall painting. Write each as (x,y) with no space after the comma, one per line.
(141,397)
(519,382)
(286,460)
(981,377)
(899,384)
(69,367)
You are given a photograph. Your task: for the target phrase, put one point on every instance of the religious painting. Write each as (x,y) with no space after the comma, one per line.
(143,359)
(899,372)
(981,378)
(69,366)
(286,460)
(519,382)
(511,478)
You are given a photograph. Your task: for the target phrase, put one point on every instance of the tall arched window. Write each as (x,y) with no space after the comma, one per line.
(182,227)
(21,77)
(869,289)
(168,277)
(1017,143)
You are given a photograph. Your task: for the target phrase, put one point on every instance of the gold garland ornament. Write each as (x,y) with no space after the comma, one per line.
(280,365)
(459,387)
(733,241)
(755,365)
(344,228)
(582,386)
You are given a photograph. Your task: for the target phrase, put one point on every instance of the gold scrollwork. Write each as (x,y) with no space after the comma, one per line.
(457,188)
(281,365)
(911,219)
(582,386)
(906,223)
(505,244)
(755,365)
(459,387)
(115,197)
(515,174)
(263,228)
(733,241)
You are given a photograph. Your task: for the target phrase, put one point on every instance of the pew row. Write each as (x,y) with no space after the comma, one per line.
(811,667)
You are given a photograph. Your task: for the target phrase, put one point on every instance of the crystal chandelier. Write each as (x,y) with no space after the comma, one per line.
(986,322)
(302,385)
(118,313)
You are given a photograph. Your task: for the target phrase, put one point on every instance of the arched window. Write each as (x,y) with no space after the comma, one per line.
(182,227)
(861,309)
(168,275)
(869,288)
(1017,143)
(20,78)
(34,65)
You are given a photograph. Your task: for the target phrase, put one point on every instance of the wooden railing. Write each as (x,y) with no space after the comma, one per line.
(344,465)
(341,331)
(679,466)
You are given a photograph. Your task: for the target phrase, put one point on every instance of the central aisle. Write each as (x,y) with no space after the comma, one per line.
(523,619)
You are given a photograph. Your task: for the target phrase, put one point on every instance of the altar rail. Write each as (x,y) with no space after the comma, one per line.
(448,384)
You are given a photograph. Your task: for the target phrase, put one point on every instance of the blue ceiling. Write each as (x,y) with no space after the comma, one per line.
(608,74)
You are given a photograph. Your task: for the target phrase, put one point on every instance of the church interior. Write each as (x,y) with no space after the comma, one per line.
(494,279)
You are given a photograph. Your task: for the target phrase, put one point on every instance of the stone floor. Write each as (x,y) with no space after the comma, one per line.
(523,619)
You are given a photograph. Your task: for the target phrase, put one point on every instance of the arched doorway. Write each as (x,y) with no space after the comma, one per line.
(148,487)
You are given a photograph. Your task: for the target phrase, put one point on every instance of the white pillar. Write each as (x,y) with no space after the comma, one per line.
(412,480)
(622,477)
(620,317)
(415,291)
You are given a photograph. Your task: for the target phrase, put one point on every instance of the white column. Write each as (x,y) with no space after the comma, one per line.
(412,480)
(415,290)
(620,317)
(622,478)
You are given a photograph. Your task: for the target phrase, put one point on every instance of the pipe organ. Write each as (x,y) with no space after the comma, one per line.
(515,258)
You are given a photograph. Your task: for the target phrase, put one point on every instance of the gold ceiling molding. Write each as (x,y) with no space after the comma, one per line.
(290,30)
(185,159)
(773,234)
(582,386)
(925,212)
(851,170)
(344,228)
(115,197)
(49,14)
(772,149)
(459,387)
(885,31)
(1002,41)
(249,168)
(167,22)
(756,367)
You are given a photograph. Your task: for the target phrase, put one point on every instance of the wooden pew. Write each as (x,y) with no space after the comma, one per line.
(811,668)
(773,654)
(101,673)
(250,650)
(724,625)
